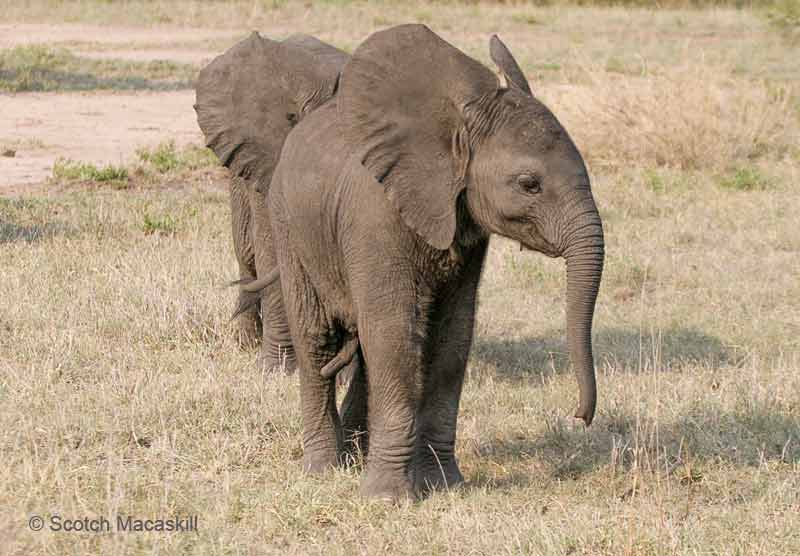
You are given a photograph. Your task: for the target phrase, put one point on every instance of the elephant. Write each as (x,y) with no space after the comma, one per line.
(382,205)
(248,100)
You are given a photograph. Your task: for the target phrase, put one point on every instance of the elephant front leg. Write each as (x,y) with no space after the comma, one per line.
(452,326)
(436,466)
(391,340)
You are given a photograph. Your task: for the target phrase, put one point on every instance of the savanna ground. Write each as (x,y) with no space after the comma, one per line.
(123,392)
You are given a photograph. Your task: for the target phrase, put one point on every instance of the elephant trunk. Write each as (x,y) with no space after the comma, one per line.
(584,254)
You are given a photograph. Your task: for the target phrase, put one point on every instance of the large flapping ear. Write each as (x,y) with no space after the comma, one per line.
(507,65)
(401,102)
(326,55)
(249,98)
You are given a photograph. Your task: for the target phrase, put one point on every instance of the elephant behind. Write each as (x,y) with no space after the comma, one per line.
(248,100)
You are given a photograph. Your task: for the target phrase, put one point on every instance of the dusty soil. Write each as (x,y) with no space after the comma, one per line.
(103,128)
(100,127)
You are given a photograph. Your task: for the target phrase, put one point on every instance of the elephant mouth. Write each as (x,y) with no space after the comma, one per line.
(541,246)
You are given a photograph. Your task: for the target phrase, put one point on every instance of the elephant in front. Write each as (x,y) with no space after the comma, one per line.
(382,205)
(248,100)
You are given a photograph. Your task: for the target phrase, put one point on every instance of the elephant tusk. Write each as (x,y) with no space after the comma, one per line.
(341,359)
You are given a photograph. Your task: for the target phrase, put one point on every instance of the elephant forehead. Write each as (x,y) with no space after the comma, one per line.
(531,125)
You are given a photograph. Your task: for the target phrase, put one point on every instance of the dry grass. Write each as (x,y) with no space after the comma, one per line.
(692,117)
(41,68)
(122,390)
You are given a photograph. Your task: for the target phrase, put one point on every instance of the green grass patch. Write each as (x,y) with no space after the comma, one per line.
(548,66)
(43,68)
(167,158)
(654,181)
(526,19)
(71,170)
(153,164)
(784,15)
(162,225)
(746,178)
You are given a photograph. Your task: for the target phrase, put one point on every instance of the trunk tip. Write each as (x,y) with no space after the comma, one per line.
(586,416)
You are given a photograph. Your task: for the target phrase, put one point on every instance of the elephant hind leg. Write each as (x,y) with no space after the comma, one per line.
(277,346)
(248,325)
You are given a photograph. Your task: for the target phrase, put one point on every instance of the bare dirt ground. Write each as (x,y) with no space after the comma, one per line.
(97,127)
(102,128)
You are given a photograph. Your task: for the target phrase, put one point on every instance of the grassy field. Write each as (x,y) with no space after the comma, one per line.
(39,68)
(122,390)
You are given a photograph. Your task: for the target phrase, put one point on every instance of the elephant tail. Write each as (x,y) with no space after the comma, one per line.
(251,291)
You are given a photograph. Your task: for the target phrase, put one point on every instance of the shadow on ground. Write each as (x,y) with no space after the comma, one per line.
(746,438)
(30,233)
(626,349)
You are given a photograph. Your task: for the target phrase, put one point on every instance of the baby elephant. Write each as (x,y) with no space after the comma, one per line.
(248,100)
(381,207)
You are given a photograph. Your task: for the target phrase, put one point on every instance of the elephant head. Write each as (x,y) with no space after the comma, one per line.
(250,97)
(448,138)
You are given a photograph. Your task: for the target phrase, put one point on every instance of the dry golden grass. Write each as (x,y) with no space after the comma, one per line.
(694,116)
(122,390)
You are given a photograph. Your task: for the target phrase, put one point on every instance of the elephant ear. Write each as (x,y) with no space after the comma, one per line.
(401,102)
(326,55)
(507,65)
(249,98)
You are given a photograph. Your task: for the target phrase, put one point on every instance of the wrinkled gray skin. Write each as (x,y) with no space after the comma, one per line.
(382,206)
(248,100)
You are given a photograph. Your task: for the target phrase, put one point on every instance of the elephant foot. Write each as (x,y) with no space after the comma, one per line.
(319,461)
(277,360)
(391,486)
(437,473)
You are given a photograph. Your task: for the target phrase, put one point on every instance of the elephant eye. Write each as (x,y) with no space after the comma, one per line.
(293,119)
(529,183)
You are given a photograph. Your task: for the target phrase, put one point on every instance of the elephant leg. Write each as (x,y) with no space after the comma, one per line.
(248,323)
(315,344)
(452,326)
(277,351)
(323,441)
(391,344)
(354,410)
